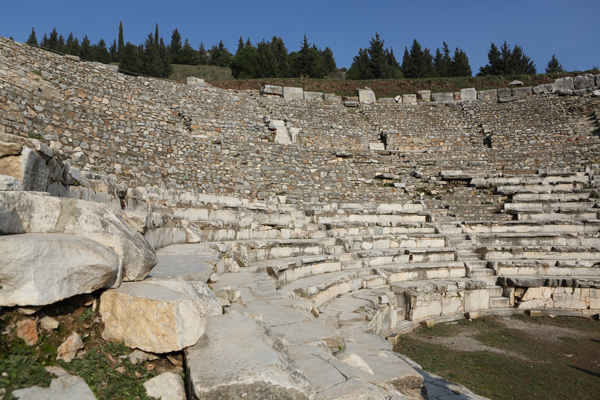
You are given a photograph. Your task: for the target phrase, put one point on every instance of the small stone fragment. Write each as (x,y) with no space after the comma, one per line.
(138,355)
(166,386)
(27,330)
(48,323)
(69,348)
(428,323)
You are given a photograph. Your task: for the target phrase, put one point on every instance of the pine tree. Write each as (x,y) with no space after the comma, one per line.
(131,62)
(248,43)
(203,57)
(101,52)
(240,45)
(85,51)
(507,62)
(442,61)
(52,40)
(219,55)
(152,65)
(60,44)
(243,64)
(460,64)
(281,56)
(72,45)
(328,60)
(175,47)
(156,41)
(113,52)
(32,39)
(554,66)
(121,45)
(188,55)
(418,63)
(165,57)
(266,63)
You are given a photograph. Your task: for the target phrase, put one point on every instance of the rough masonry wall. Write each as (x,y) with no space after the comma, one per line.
(158,133)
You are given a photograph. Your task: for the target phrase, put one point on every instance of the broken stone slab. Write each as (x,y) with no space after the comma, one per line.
(521,281)
(28,167)
(293,93)
(10,222)
(8,183)
(507,99)
(64,387)
(312,96)
(166,386)
(469,94)
(521,92)
(272,90)
(563,84)
(311,332)
(353,389)
(39,269)
(45,214)
(487,94)
(424,95)
(409,99)
(583,81)
(151,317)
(192,80)
(198,289)
(543,89)
(516,83)
(351,103)
(69,348)
(366,96)
(239,357)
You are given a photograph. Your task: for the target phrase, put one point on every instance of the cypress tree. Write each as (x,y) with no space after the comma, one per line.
(121,45)
(32,39)
(156,36)
(554,66)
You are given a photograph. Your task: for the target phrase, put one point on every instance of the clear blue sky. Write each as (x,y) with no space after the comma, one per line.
(569,29)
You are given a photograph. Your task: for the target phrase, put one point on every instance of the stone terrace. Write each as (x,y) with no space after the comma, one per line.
(474,208)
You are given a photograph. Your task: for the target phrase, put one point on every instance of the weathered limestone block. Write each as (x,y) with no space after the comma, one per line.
(8,183)
(271,90)
(45,214)
(543,89)
(293,93)
(504,92)
(239,357)
(521,92)
(27,167)
(366,96)
(166,386)
(192,80)
(313,96)
(409,98)
(151,318)
(583,81)
(332,97)
(487,94)
(469,94)
(442,97)
(386,100)
(563,84)
(424,95)
(39,269)
(197,289)
(64,387)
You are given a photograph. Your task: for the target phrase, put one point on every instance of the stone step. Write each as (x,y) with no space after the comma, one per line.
(495,291)
(499,302)
(548,208)
(380,257)
(373,280)
(321,288)
(420,271)
(555,253)
(531,267)
(551,197)
(589,215)
(471,256)
(536,239)
(290,269)
(558,226)
(477,272)
(373,242)
(518,189)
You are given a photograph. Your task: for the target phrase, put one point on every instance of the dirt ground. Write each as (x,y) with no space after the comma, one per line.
(516,357)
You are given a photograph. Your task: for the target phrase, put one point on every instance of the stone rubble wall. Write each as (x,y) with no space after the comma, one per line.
(152,132)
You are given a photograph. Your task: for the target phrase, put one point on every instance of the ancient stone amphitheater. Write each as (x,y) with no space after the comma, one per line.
(324,226)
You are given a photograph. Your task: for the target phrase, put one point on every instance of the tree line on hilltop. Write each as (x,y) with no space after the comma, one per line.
(271,59)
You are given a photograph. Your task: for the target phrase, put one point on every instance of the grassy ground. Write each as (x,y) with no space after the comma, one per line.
(103,365)
(549,358)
